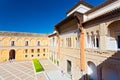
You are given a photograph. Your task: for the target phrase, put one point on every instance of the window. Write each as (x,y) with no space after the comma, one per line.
(32,50)
(97,42)
(26,43)
(93,38)
(88,40)
(77,42)
(43,50)
(38,43)
(26,56)
(26,51)
(38,50)
(92,41)
(118,41)
(68,42)
(32,55)
(38,55)
(12,43)
(43,54)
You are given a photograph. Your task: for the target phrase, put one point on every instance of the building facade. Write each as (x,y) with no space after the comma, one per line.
(22,46)
(89,41)
(53,48)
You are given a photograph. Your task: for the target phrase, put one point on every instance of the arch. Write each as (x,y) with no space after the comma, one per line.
(12,54)
(6,41)
(20,41)
(27,41)
(109,74)
(4,55)
(92,71)
(113,42)
(33,42)
(19,54)
(13,39)
(114,28)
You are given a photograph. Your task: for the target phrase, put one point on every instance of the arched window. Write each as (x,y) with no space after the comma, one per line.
(26,43)
(88,40)
(38,50)
(92,71)
(12,43)
(97,39)
(26,51)
(38,43)
(32,50)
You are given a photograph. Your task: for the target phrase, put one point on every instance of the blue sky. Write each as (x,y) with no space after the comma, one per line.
(36,16)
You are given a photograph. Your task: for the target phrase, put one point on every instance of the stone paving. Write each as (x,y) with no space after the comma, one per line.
(17,71)
(24,70)
(52,72)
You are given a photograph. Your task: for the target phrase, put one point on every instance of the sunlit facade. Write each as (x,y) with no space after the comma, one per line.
(22,46)
(89,41)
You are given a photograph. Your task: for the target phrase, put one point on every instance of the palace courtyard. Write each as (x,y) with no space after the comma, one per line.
(24,70)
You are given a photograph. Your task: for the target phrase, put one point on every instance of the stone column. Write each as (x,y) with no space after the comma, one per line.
(90,43)
(103,30)
(95,41)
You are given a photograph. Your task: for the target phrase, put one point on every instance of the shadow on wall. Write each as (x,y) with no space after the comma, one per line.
(109,69)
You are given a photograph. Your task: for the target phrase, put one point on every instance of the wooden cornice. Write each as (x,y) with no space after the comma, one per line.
(105,17)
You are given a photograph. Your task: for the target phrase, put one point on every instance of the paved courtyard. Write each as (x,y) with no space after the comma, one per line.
(52,72)
(24,70)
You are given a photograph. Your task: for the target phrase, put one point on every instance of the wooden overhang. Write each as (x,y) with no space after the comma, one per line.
(106,16)
(53,34)
(107,2)
(67,19)
(76,5)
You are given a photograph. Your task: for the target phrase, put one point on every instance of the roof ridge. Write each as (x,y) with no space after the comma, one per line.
(78,3)
(100,5)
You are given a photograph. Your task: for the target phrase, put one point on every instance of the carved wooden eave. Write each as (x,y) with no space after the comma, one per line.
(51,35)
(103,18)
(79,17)
(107,2)
(66,20)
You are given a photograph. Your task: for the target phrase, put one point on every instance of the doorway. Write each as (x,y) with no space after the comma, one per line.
(12,54)
(118,41)
(69,67)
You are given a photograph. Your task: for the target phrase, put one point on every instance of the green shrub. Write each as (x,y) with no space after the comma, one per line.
(57,62)
(38,67)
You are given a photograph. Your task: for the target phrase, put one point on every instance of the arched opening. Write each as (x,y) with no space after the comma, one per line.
(109,74)
(12,54)
(114,35)
(92,71)
(69,67)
